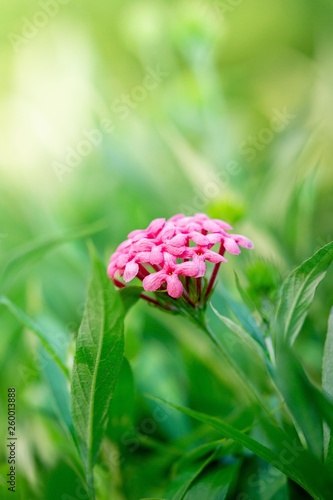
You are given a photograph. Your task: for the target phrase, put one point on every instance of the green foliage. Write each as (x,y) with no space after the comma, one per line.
(238,126)
(263,278)
(49,345)
(297,294)
(291,417)
(97,364)
(328,386)
(319,485)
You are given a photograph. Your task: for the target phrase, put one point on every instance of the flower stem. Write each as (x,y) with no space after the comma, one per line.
(252,392)
(143,271)
(199,288)
(214,273)
(149,299)
(118,283)
(187,298)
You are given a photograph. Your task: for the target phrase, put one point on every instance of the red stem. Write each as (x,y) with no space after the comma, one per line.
(156,267)
(199,288)
(118,283)
(214,273)
(143,270)
(187,298)
(149,299)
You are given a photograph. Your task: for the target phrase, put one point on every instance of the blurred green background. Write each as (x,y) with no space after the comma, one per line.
(114,113)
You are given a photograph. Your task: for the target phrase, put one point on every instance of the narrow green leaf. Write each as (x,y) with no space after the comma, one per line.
(59,388)
(180,486)
(309,406)
(202,450)
(45,339)
(299,395)
(227,348)
(262,481)
(327,381)
(244,317)
(297,293)
(301,467)
(28,253)
(213,484)
(97,363)
(246,299)
(242,335)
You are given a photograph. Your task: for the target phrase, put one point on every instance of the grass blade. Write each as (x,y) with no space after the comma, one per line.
(30,252)
(302,468)
(44,338)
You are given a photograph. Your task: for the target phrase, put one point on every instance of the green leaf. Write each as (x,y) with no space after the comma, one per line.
(301,467)
(246,299)
(179,487)
(28,253)
(244,317)
(130,295)
(213,484)
(97,364)
(262,481)
(45,338)
(309,406)
(297,294)
(226,345)
(243,336)
(58,384)
(327,381)
(122,406)
(197,483)
(202,450)
(299,395)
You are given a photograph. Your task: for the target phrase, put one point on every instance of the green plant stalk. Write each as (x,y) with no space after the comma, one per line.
(200,320)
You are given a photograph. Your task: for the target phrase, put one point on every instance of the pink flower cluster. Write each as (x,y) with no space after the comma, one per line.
(168,249)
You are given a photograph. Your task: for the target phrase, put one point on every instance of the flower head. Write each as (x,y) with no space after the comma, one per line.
(171,255)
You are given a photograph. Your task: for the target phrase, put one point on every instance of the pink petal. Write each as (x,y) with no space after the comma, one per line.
(177,217)
(179,240)
(143,245)
(199,238)
(131,270)
(243,241)
(176,251)
(169,260)
(152,282)
(231,246)
(167,232)
(189,253)
(199,261)
(155,227)
(136,233)
(214,238)
(193,226)
(190,268)
(211,226)
(223,224)
(200,216)
(112,269)
(174,286)
(214,257)
(156,255)
(143,257)
(122,260)
(124,245)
